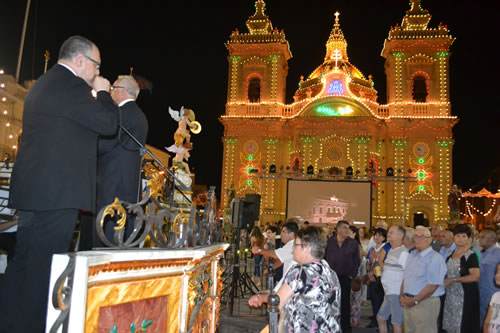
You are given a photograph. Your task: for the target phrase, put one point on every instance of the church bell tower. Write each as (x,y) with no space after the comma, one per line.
(417,65)
(258,64)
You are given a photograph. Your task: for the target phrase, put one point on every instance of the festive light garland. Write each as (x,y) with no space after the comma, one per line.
(471,206)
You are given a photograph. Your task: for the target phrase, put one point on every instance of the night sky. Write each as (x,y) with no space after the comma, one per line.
(179,46)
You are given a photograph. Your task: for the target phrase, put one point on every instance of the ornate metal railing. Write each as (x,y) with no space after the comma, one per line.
(167,224)
(61,296)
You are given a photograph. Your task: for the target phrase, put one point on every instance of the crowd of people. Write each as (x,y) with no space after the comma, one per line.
(417,279)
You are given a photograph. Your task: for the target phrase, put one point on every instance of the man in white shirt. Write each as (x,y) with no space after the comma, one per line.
(392,276)
(283,255)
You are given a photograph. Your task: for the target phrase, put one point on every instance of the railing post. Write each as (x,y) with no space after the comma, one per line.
(273,301)
(273,309)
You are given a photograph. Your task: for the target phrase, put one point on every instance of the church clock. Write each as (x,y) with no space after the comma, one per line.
(421,149)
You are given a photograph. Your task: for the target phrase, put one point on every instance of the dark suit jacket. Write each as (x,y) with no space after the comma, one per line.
(119,163)
(344,260)
(57,158)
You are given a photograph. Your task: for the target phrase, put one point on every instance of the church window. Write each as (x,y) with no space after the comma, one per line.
(420,92)
(254,90)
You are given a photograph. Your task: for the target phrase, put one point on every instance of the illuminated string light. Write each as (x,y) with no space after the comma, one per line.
(336,84)
(471,207)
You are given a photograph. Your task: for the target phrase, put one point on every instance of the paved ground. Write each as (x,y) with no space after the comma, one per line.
(245,320)
(249,320)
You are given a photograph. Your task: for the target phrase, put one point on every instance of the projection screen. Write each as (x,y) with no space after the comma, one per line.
(325,201)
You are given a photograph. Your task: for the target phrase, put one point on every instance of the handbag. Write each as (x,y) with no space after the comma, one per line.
(356,284)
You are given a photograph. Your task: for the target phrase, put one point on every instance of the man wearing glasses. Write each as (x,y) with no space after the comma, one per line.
(119,162)
(54,175)
(285,253)
(423,283)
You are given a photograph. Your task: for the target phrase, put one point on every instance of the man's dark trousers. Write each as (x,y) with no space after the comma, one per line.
(40,234)
(345,303)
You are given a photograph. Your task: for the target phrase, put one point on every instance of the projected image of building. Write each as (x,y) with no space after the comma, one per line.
(328,211)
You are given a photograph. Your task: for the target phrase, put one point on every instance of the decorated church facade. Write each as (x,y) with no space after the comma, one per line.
(335,129)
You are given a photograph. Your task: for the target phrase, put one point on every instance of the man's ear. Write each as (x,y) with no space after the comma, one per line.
(78,60)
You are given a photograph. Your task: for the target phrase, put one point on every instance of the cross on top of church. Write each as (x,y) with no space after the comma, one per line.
(337,55)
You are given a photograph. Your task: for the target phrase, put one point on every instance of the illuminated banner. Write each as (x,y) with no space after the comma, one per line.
(334,112)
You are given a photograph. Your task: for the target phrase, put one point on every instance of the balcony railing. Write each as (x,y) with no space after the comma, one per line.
(288,110)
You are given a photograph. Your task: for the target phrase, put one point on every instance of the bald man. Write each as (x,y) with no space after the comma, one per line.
(119,163)
(490,258)
(447,244)
(423,283)
(436,237)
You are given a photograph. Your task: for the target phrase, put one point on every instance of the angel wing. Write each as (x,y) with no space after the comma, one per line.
(176,115)
(175,149)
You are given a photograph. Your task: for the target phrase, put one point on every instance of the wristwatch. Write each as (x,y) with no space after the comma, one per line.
(415,300)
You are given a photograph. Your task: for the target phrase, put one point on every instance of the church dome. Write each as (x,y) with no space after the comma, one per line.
(336,60)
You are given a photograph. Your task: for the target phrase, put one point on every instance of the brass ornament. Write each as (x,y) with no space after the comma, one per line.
(110,210)
(156,185)
(197,127)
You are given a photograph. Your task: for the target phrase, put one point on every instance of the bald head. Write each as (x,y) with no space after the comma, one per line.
(487,238)
(422,238)
(125,87)
(436,231)
(446,238)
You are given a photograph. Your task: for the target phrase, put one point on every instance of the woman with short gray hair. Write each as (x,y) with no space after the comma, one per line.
(310,293)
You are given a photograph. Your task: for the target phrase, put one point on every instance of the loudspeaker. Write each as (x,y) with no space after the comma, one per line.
(237,212)
(251,211)
(245,211)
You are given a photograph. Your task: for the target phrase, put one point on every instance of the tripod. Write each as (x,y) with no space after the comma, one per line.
(237,284)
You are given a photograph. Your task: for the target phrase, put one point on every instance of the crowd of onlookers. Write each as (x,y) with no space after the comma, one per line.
(439,279)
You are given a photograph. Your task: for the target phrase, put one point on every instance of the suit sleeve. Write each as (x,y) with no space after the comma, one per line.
(98,114)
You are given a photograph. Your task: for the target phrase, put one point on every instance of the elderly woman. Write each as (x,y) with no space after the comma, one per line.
(461,306)
(310,293)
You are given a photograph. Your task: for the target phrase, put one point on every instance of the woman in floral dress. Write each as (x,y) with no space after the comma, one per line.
(310,294)
(461,305)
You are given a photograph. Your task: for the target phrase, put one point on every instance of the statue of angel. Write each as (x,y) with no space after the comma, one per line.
(181,154)
(186,119)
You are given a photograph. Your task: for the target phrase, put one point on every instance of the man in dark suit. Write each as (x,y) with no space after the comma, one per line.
(54,175)
(119,162)
(342,254)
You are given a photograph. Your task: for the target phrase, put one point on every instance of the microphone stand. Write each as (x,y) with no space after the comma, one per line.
(143,150)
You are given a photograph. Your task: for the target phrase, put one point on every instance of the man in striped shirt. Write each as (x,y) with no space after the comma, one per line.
(392,276)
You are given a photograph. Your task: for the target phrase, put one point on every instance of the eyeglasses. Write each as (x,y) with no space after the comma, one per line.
(116,87)
(97,64)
